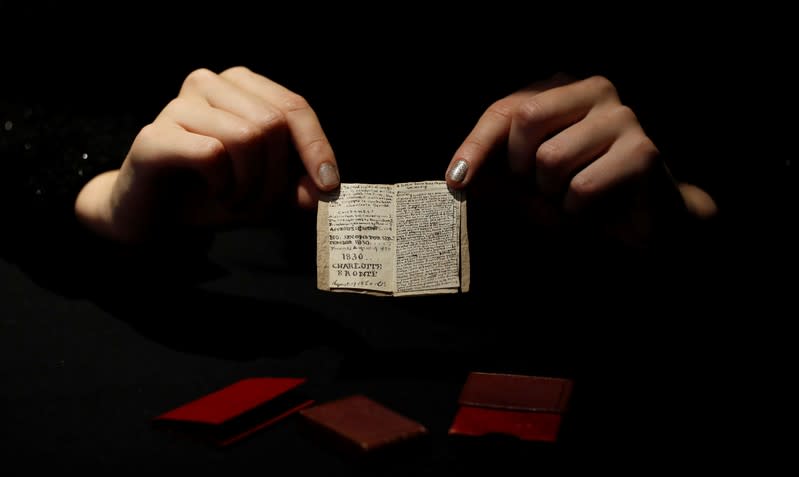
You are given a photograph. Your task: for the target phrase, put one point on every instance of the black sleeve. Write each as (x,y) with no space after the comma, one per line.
(49,153)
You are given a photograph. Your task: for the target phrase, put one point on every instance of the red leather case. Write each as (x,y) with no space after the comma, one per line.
(528,407)
(232,413)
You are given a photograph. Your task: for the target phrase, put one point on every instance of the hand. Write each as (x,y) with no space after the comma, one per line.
(215,155)
(577,153)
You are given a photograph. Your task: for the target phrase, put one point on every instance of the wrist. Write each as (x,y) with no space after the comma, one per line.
(93,205)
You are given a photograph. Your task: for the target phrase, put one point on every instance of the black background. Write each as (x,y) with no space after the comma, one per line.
(92,348)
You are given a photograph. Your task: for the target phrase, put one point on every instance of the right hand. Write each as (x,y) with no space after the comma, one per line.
(577,154)
(215,156)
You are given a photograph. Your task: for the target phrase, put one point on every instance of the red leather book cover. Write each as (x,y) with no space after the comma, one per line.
(528,407)
(236,411)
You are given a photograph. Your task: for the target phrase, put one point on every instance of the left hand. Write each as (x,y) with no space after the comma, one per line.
(581,154)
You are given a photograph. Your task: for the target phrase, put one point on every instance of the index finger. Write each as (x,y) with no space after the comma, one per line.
(306,132)
(490,132)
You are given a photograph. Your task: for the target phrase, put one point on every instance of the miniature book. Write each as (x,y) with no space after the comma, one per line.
(393,239)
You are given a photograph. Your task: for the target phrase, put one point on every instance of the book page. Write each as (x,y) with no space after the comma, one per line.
(427,237)
(357,239)
(360,237)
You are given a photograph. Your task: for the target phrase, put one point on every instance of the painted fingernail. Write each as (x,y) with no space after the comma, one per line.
(328,175)
(458,172)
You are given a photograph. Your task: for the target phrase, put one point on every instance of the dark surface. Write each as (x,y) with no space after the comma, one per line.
(95,342)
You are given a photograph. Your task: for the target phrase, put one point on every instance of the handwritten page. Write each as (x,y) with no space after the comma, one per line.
(393,239)
(361,237)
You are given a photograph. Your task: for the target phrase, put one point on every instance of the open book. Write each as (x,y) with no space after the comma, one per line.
(393,239)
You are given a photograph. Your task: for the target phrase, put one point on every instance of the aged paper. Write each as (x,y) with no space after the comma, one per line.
(361,238)
(393,239)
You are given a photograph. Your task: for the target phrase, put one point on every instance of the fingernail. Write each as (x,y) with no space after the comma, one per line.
(328,175)
(458,172)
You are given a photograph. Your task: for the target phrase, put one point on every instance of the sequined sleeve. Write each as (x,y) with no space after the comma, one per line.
(48,155)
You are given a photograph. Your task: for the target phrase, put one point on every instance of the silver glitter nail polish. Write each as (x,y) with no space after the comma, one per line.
(328,174)
(458,172)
